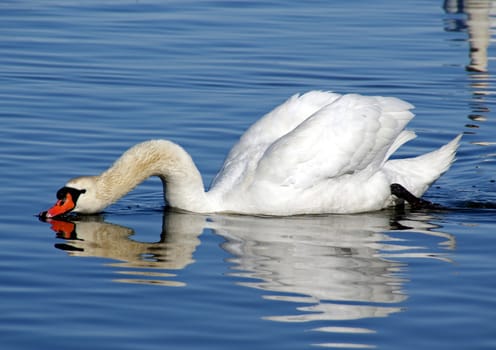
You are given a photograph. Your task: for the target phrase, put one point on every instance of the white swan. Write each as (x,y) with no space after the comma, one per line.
(320,152)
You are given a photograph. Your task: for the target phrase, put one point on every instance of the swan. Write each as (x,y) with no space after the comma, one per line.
(319,152)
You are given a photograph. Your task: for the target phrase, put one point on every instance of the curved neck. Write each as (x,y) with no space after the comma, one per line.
(183,185)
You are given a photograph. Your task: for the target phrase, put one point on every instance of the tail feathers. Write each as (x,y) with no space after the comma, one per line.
(418,173)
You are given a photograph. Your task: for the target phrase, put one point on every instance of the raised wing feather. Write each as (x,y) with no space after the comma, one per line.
(243,158)
(350,134)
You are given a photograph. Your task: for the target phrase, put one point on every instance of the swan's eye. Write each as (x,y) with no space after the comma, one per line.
(62,193)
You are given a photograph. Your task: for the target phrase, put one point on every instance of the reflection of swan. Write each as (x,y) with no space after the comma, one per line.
(317,153)
(335,264)
(341,267)
(90,236)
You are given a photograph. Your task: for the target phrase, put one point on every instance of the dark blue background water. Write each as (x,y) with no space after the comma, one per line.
(83,81)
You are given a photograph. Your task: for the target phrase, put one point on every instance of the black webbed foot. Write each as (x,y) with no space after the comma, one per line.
(415,202)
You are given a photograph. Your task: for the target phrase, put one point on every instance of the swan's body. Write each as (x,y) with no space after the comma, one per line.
(316,153)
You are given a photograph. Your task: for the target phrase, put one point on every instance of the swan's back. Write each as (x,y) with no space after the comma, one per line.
(313,136)
(342,138)
(246,153)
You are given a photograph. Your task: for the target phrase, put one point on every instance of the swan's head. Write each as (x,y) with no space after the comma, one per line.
(78,195)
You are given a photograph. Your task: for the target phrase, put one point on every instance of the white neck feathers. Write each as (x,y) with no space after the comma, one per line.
(183,185)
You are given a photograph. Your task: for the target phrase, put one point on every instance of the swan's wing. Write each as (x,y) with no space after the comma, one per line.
(283,119)
(346,136)
(246,153)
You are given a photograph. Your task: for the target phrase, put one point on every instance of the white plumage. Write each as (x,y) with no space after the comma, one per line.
(323,152)
(320,152)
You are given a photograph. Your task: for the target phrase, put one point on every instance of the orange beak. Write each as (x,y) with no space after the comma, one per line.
(61,207)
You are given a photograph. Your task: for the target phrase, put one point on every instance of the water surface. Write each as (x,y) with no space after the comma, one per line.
(82,82)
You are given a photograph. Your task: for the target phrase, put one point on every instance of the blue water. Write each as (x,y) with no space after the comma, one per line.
(83,81)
